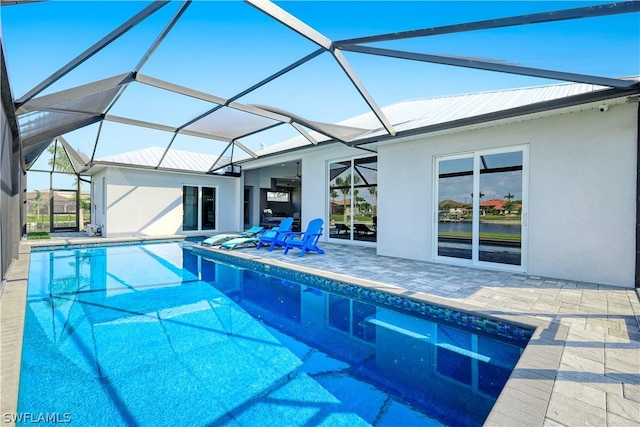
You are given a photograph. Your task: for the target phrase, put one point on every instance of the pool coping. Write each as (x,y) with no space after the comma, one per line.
(528,389)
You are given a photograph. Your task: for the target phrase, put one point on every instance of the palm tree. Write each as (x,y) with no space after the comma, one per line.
(509,204)
(38,201)
(60,162)
(356,202)
(334,195)
(344,185)
(374,194)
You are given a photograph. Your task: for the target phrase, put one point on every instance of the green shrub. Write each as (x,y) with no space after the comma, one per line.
(38,235)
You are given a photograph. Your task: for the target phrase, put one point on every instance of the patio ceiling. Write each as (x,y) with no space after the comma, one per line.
(231,126)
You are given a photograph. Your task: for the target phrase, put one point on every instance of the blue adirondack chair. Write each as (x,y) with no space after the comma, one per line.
(275,236)
(305,241)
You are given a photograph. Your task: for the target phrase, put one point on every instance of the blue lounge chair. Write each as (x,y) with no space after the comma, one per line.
(275,236)
(219,239)
(240,242)
(271,237)
(307,241)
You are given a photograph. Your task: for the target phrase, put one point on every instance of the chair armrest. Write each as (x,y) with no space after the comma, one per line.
(288,234)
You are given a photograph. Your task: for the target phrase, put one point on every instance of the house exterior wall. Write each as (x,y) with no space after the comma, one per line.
(582,182)
(581,192)
(143,202)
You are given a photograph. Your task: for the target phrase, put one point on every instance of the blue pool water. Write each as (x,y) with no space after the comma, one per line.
(155,335)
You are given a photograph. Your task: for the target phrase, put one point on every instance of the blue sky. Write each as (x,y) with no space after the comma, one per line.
(224,47)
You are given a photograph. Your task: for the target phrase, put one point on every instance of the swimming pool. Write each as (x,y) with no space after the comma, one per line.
(155,334)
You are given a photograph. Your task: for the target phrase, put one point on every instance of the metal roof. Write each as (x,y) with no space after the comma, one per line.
(407,116)
(449,112)
(173,160)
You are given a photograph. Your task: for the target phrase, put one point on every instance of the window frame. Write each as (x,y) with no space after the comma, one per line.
(476,155)
(352,235)
(199,207)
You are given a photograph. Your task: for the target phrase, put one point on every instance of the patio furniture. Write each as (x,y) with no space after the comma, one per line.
(275,236)
(363,229)
(340,228)
(219,239)
(305,241)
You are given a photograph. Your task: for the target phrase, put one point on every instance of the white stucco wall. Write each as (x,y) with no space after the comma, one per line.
(582,186)
(142,202)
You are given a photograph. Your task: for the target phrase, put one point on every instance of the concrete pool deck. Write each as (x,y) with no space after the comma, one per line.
(582,366)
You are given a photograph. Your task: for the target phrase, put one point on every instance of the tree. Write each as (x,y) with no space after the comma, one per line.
(38,201)
(334,195)
(509,204)
(59,160)
(374,194)
(356,202)
(344,185)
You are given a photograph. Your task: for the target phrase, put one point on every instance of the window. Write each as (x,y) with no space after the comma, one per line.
(480,210)
(198,208)
(353,199)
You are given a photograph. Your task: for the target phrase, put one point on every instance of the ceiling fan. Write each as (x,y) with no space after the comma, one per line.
(291,180)
(298,174)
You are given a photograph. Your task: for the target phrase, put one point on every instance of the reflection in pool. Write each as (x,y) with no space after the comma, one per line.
(156,335)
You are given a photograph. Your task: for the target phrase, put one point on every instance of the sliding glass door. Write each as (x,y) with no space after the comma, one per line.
(198,208)
(481,201)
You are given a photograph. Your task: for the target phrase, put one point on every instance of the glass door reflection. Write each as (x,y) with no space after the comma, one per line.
(455,207)
(500,231)
(480,207)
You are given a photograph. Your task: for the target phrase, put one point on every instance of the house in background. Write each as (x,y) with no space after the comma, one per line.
(577,158)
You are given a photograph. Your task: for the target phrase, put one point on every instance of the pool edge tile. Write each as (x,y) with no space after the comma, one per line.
(12,313)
